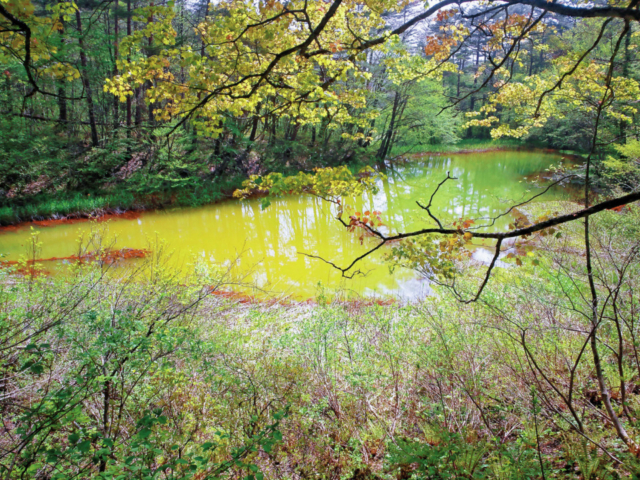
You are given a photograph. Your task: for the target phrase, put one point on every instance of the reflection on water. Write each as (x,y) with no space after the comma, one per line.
(270,240)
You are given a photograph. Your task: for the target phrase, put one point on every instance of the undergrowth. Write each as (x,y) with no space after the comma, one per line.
(158,368)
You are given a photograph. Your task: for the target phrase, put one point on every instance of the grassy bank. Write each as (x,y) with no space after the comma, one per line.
(71,206)
(65,205)
(47,207)
(475,145)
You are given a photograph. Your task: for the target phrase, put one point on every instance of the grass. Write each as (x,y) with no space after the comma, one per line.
(79,205)
(473,144)
(462,145)
(71,206)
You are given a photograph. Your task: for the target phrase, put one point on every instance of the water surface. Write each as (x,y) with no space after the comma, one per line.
(270,242)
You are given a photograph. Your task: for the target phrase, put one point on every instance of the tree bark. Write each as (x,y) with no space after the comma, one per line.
(86,83)
(129,97)
(254,126)
(150,84)
(62,101)
(116,100)
(386,141)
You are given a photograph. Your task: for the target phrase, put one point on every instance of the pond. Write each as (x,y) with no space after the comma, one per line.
(269,242)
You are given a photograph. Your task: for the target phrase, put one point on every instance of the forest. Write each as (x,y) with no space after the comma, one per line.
(329,239)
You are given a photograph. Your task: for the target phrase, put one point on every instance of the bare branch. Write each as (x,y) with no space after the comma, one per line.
(428,207)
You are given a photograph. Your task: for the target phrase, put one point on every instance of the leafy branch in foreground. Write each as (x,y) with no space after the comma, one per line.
(337,186)
(331,184)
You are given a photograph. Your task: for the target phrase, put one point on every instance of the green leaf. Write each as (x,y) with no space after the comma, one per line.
(37,368)
(27,365)
(85,446)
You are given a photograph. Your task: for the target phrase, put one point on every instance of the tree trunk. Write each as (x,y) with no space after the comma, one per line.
(150,84)
(460,69)
(256,121)
(386,141)
(62,101)
(206,13)
(139,94)
(62,105)
(403,105)
(116,100)
(625,73)
(86,83)
(129,97)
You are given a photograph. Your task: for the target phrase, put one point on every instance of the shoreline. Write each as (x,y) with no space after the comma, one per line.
(81,217)
(550,151)
(104,214)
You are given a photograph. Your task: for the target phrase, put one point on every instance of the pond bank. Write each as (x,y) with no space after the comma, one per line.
(523,148)
(101,208)
(98,208)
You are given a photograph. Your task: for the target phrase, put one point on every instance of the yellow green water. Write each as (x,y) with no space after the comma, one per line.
(270,242)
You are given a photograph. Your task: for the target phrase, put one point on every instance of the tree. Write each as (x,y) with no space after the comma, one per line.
(507,33)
